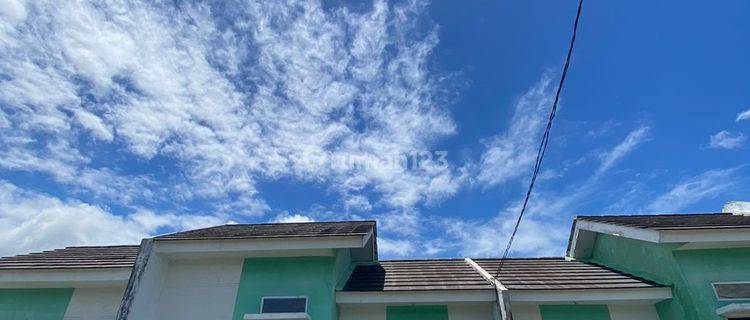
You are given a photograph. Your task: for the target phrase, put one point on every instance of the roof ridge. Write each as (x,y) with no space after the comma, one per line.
(655,214)
(288,223)
(103,246)
(419,260)
(522,258)
(264,224)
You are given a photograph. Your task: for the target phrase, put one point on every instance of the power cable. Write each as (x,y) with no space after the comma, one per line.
(545,138)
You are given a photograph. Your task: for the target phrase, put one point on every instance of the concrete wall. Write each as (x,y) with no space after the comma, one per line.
(147,292)
(202,289)
(94,303)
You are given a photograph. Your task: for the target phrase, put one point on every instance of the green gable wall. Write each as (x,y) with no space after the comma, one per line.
(34,304)
(689,272)
(313,277)
(574,312)
(439,312)
(703,267)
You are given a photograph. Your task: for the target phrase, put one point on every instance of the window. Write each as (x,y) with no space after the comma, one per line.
(732,290)
(283,305)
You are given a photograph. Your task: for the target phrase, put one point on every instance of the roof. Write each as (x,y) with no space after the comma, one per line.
(416,275)
(559,274)
(275,230)
(675,221)
(74,258)
(517,274)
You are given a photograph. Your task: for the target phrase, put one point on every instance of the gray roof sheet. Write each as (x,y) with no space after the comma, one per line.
(559,274)
(517,274)
(275,230)
(675,221)
(416,275)
(74,258)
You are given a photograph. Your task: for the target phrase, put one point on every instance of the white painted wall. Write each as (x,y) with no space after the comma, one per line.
(146,297)
(633,312)
(361,312)
(456,311)
(526,312)
(200,289)
(94,303)
(470,311)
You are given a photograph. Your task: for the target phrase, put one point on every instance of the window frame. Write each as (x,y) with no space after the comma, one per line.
(716,293)
(263,300)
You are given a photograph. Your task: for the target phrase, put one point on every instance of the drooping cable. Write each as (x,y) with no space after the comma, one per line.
(545,138)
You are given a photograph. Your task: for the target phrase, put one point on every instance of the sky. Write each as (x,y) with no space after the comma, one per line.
(124,119)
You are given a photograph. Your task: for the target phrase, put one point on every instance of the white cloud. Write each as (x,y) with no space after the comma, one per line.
(707,185)
(726,140)
(511,154)
(285,217)
(632,141)
(13,11)
(32,221)
(94,124)
(390,247)
(228,98)
(745,115)
(546,223)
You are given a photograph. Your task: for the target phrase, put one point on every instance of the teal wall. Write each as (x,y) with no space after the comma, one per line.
(314,277)
(34,304)
(703,267)
(574,312)
(438,312)
(689,272)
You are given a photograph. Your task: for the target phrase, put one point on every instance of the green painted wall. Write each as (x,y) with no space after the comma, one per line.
(314,277)
(703,267)
(650,261)
(416,313)
(34,304)
(574,312)
(689,272)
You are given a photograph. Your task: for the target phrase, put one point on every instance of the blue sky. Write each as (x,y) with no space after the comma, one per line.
(121,119)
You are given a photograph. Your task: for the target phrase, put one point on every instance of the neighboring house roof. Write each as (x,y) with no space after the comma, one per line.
(559,274)
(74,258)
(275,230)
(675,221)
(517,274)
(416,275)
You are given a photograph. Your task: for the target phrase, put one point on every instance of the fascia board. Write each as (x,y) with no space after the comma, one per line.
(259,244)
(591,295)
(705,235)
(620,231)
(347,297)
(57,278)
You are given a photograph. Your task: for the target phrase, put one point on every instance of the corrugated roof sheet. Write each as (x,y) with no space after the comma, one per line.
(675,221)
(559,274)
(275,230)
(416,275)
(517,274)
(74,258)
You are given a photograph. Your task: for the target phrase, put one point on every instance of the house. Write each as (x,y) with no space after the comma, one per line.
(704,258)
(693,266)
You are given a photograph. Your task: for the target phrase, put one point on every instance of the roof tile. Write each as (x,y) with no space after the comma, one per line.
(675,221)
(74,258)
(275,230)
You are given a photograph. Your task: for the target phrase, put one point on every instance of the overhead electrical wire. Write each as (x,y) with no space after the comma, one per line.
(545,138)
